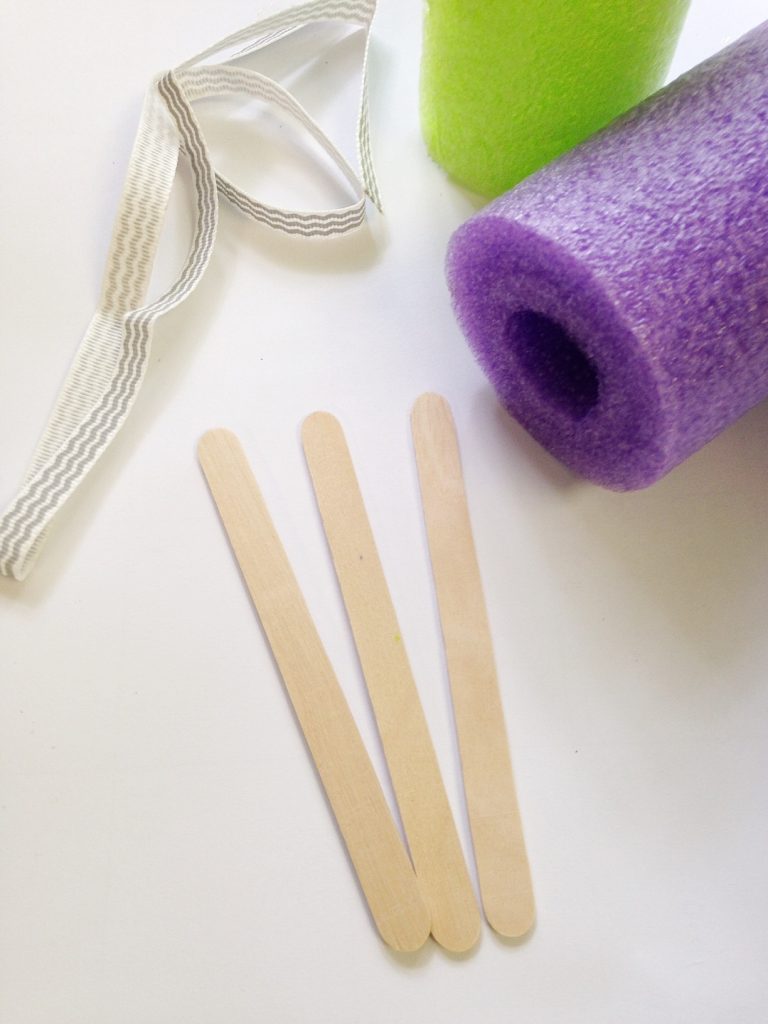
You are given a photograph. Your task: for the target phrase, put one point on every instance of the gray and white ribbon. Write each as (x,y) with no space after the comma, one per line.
(112,359)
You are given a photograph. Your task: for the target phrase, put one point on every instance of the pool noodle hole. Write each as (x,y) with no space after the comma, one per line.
(554,362)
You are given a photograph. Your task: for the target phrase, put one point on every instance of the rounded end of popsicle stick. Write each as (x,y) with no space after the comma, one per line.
(512,920)
(319,422)
(214,439)
(459,932)
(428,405)
(407,931)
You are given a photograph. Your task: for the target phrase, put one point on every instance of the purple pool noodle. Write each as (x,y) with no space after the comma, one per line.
(618,298)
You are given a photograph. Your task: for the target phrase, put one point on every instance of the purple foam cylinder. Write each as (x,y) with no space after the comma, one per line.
(618,298)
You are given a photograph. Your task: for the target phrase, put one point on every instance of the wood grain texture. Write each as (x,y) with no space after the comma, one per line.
(377,852)
(413,767)
(497,834)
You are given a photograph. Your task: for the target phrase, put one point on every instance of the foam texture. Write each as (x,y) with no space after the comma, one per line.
(507,85)
(618,299)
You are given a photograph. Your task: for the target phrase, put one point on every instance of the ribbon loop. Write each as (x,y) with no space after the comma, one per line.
(110,364)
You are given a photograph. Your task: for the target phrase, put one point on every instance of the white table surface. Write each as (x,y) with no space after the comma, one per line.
(167,855)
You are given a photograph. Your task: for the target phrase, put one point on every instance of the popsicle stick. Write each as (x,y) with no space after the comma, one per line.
(413,767)
(377,852)
(497,834)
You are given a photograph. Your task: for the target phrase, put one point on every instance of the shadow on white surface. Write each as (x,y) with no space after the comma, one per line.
(691,546)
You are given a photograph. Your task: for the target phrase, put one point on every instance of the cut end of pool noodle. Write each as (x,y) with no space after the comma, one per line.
(507,85)
(618,299)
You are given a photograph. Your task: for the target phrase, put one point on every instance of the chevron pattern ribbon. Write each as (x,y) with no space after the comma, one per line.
(110,364)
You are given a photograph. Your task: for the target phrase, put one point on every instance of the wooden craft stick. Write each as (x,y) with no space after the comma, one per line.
(377,852)
(497,834)
(413,767)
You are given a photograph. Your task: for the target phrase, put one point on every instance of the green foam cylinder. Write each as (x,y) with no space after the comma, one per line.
(507,85)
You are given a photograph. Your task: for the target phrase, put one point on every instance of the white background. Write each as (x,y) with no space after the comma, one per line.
(167,856)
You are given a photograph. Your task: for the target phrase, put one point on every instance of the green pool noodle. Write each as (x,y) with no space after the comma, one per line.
(507,85)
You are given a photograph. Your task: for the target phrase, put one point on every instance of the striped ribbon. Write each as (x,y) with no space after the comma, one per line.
(110,364)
